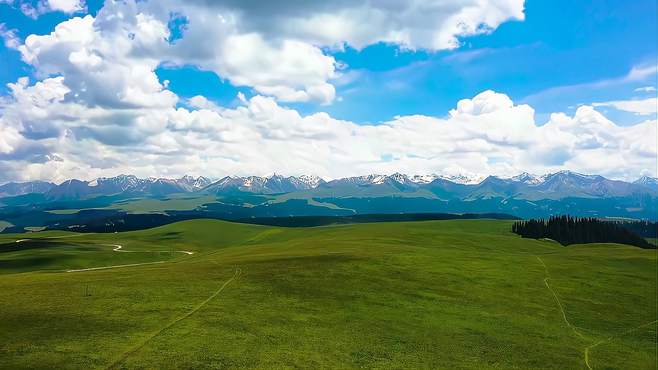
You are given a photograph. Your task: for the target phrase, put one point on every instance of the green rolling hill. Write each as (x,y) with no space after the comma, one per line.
(435,294)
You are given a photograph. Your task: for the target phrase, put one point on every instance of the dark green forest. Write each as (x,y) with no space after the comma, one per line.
(647,229)
(574,230)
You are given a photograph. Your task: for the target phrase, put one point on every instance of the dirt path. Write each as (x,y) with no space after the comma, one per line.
(119,248)
(610,339)
(575,328)
(49,237)
(115,266)
(141,344)
(559,303)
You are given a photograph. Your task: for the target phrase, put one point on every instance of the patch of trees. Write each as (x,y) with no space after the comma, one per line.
(646,229)
(574,230)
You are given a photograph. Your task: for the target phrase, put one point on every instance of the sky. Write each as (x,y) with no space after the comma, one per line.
(335,88)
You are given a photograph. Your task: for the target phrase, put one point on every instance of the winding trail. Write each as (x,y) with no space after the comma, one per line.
(559,303)
(49,237)
(119,248)
(575,328)
(611,338)
(115,266)
(148,338)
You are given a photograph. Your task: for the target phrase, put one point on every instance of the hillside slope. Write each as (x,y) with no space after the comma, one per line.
(438,294)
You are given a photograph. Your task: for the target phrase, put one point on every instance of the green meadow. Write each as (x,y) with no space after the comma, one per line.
(459,294)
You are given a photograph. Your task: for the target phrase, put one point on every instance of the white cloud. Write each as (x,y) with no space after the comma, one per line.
(638,73)
(66,6)
(104,62)
(637,106)
(484,135)
(9,36)
(274,48)
(645,89)
(34,9)
(414,24)
(99,108)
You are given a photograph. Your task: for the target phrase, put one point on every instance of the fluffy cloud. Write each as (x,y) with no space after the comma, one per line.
(105,63)
(274,48)
(66,6)
(414,24)
(487,134)
(98,108)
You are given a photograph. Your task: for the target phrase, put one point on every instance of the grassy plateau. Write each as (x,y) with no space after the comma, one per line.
(457,294)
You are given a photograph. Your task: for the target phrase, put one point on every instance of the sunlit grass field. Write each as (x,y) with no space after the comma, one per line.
(212,294)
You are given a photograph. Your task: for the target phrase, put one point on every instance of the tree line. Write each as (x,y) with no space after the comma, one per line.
(647,229)
(574,230)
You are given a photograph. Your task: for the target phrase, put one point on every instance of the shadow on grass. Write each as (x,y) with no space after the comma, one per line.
(31,244)
(29,263)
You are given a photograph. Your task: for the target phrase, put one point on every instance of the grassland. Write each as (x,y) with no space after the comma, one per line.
(147,205)
(4,225)
(439,294)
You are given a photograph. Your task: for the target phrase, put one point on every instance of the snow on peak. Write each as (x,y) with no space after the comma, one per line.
(310,180)
(527,178)
(400,178)
(376,179)
(463,179)
(423,179)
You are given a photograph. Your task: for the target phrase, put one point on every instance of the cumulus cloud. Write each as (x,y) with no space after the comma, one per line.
(487,134)
(66,6)
(105,62)
(415,24)
(275,48)
(98,108)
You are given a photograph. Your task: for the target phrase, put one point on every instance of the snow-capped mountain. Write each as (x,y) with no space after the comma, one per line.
(649,182)
(194,184)
(527,178)
(273,184)
(463,179)
(306,181)
(20,188)
(557,185)
(361,180)
(424,179)
(129,184)
(117,184)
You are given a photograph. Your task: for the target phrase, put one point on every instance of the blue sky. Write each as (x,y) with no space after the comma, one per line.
(300,59)
(559,43)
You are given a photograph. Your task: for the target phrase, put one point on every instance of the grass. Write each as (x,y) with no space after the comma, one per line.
(4,225)
(147,205)
(440,294)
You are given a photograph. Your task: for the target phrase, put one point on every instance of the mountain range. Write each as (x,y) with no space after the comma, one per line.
(127,202)
(526,186)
